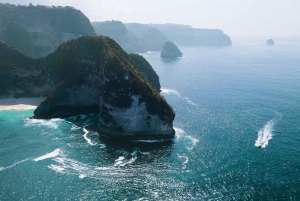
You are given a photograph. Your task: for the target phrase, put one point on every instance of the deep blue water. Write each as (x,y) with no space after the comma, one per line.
(228,101)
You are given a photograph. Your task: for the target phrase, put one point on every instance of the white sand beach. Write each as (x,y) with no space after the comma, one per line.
(20,103)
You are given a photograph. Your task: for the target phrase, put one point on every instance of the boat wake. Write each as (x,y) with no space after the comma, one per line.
(265,134)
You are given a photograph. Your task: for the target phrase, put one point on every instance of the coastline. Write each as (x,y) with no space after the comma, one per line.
(20,103)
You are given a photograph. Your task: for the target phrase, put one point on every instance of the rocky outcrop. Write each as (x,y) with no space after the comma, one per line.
(38,30)
(118,32)
(170,50)
(270,42)
(91,74)
(151,37)
(186,35)
(146,69)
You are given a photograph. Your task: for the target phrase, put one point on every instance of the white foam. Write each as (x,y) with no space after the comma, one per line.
(265,134)
(86,138)
(81,176)
(120,158)
(52,154)
(13,165)
(40,122)
(169,91)
(180,134)
(185,161)
(172,91)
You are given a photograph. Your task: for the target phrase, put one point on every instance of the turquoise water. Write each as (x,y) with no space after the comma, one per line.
(228,102)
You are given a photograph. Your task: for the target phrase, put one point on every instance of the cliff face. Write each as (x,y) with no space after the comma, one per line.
(188,36)
(38,30)
(152,38)
(91,74)
(118,32)
(146,69)
(170,50)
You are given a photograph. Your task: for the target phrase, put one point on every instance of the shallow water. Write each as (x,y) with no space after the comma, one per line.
(228,102)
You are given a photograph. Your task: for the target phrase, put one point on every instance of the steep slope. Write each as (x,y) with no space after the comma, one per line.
(38,30)
(152,38)
(146,69)
(188,36)
(118,32)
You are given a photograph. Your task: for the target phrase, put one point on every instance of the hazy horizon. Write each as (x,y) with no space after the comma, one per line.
(248,18)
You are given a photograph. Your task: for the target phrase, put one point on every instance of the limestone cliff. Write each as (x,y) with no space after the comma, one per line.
(38,30)
(186,35)
(170,50)
(96,75)
(118,32)
(90,74)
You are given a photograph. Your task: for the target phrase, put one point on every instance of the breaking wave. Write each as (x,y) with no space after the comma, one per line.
(188,140)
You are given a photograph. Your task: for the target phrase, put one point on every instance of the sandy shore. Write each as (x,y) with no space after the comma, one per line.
(20,103)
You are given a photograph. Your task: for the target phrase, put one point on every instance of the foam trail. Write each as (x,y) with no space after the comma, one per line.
(86,138)
(185,161)
(265,134)
(52,154)
(13,165)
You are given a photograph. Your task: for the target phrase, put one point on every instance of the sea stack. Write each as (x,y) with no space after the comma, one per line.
(170,50)
(91,75)
(270,42)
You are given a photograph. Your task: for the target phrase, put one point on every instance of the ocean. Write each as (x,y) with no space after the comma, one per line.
(237,136)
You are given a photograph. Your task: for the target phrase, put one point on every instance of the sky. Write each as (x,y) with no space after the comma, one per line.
(235,17)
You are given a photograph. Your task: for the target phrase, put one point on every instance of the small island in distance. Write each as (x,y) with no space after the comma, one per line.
(170,50)
(270,42)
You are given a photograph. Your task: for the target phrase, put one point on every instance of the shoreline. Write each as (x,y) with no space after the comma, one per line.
(20,103)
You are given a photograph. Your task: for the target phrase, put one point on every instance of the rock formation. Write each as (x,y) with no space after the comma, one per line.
(270,42)
(91,74)
(38,30)
(170,50)
(152,38)
(188,36)
(147,70)
(118,32)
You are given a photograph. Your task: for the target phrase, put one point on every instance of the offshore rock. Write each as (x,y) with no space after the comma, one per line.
(270,42)
(170,50)
(90,75)
(39,30)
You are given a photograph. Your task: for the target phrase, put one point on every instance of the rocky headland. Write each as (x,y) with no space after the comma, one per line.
(186,35)
(39,30)
(170,50)
(91,75)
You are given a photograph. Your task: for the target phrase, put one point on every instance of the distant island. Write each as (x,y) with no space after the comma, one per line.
(91,75)
(270,42)
(170,50)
